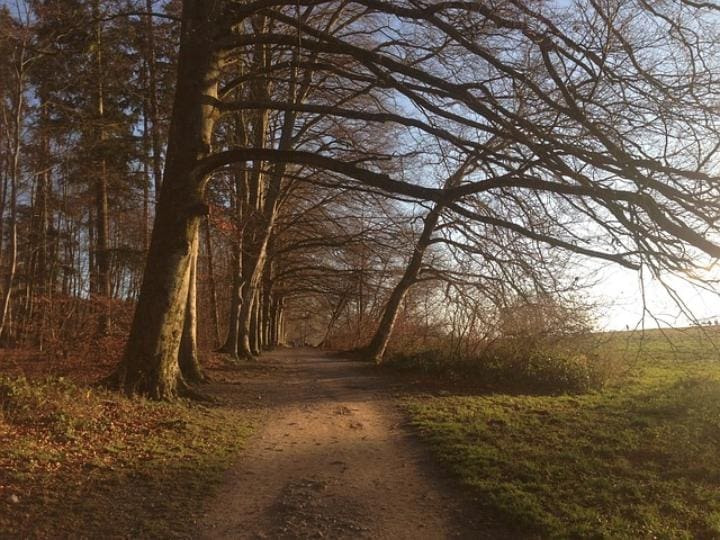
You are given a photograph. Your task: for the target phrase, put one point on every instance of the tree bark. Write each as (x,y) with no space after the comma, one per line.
(231,341)
(150,364)
(241,182)
(273,324)
(278,323)
(252,264)
(255,323)
(267,305)
(211,283)
(190,367)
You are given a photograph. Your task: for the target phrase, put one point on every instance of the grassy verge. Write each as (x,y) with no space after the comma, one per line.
(639,459)
(79,462)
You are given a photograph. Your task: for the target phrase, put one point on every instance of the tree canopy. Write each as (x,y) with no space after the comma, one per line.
(338,147)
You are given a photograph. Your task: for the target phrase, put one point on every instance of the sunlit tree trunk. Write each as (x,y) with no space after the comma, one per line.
(254,240)
(190,368)
(150,363)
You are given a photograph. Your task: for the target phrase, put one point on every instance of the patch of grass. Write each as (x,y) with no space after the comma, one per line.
(639,459)
(81,462)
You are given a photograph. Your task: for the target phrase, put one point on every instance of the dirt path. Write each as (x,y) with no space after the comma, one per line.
(332,460)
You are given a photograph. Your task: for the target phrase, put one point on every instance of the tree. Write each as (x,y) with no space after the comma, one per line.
(14,113)
(379,342)
(150,365)
(589,118)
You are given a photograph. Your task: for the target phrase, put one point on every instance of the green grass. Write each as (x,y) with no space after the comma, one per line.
(639,459)
(83,463)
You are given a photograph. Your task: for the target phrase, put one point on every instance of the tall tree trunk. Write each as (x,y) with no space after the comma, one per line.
(101,187)
(376,348)
(273,324)
(240,200)
(4,188)
(282,337)
(38,282)
(211,283)
(146,177)
(33,320)
(150,363)
(92,267)
(253,264)
(190,368)
(231,341)
(16,142)
(264,200)
(42,270)
(267,304)
(13,247)
(255,228)
(255,323)
(151,61)
(103,249)
(41,215)
(255,253)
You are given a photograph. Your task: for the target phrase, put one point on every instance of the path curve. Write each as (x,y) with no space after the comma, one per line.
(332,459)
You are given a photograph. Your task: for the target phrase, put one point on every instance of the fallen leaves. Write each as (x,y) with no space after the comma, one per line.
(69,454)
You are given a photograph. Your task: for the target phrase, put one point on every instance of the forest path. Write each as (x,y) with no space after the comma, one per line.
(332,459)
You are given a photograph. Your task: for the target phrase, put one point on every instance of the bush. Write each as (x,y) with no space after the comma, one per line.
(428,362)
(539,368)
(545,370)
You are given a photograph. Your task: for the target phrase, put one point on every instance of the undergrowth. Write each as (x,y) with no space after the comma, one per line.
(545,368)
(81,462)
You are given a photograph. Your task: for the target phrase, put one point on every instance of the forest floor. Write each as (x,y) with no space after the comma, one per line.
(334,458)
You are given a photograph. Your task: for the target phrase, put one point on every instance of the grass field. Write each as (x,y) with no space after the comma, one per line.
(638,459)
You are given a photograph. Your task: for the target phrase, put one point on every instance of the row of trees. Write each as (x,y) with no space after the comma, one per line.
(81,134)
(340,164)
(86,103)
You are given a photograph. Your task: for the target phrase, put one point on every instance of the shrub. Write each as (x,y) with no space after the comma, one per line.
(428,362)
(544,369)
(538,368)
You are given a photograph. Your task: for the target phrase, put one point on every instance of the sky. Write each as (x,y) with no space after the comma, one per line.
(619,293)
